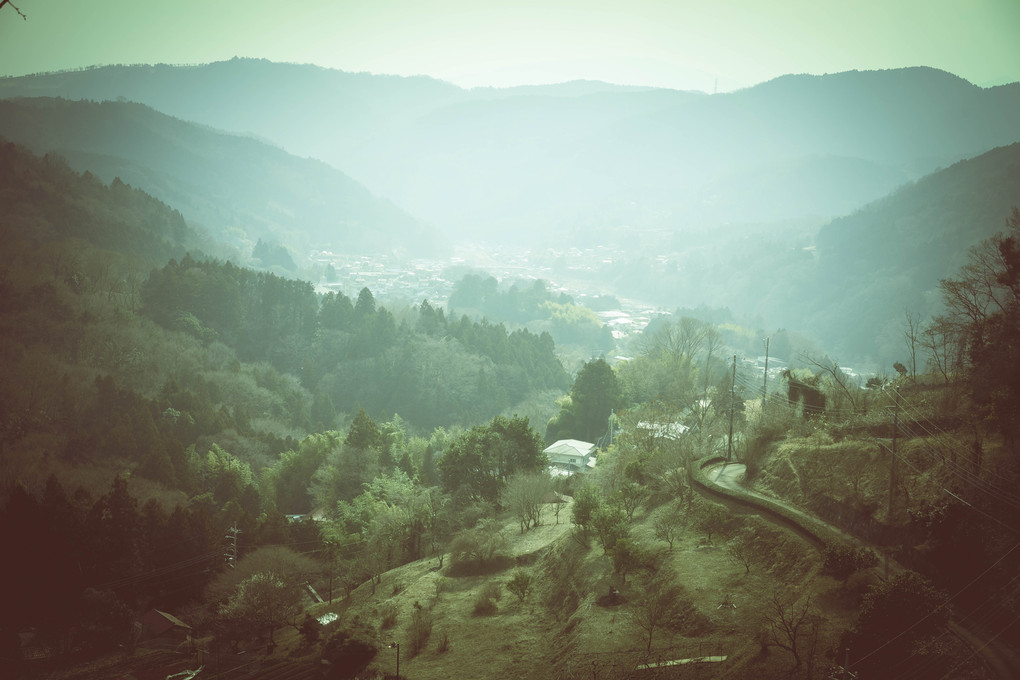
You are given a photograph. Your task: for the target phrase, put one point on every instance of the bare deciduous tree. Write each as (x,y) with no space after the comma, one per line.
(667,525)
(840,382)
(786,623)
(911,338)
(662,606)
(743,549)
(8,2)
(942,339)
(524,495)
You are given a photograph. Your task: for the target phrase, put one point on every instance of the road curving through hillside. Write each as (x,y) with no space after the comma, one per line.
(720,479)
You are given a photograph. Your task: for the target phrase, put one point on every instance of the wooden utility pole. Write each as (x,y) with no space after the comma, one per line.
(765,385)
(892,463)
(733,392)
(231,554)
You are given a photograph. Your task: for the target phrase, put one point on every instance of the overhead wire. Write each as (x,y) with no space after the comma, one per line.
(942,452)
(933,430)
(969,622)
(967,476)
(948,601)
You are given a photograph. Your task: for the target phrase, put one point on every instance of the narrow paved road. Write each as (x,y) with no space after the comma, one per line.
(1000,658)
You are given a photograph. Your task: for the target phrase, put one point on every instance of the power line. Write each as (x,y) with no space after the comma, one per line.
(936,609)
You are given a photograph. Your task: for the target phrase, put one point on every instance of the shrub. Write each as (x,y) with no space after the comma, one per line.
(444,643)
(389,615)
(421,629)
(483,607)
(485,602)
(492,591)
(841,561)
(610,523)
(478,550)
(520,583)
(667,525)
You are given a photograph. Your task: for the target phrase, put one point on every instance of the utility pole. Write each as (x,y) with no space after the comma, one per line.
(332,568)
(396,645)
(611,414)
(892,463)
(231,554)
(765,385)
(733,392)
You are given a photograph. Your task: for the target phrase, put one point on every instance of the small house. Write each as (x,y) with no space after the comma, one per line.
(571,455)
(159,630)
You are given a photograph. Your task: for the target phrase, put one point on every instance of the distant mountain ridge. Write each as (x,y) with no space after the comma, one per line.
(889,256)
(537,160)
(238,188)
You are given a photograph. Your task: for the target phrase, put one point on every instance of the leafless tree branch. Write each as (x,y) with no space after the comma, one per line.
(8,2)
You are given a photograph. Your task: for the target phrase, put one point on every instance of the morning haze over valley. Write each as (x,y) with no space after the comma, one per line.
(513,340)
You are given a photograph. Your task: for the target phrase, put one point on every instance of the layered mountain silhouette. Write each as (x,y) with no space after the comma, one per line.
(902,170)
(889,256)
(563,156)
(240,189)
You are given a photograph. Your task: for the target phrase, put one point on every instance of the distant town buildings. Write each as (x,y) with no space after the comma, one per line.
(399,278)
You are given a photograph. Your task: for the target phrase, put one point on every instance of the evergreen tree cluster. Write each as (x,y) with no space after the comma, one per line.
(353,354)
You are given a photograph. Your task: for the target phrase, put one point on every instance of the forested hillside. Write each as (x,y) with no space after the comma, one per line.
(153,398)
(239,188)
(889,256)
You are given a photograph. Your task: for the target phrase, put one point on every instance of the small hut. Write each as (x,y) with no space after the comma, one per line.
(159,630)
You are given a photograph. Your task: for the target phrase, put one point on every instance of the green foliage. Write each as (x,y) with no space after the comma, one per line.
(388,615)
(520,583)
(630,496)
(290,477)
(351,649)
(309,630)
(273,255)
(842,560)
(713,519)
(587,500)
(594,394)
(568,323)
(667,524)
(263,602)
(260,314)
(610,523)
(334,345)
(983,320)
(481,460)
(629,555)
(478,549)
(486,599)
(420,630)
(291,567)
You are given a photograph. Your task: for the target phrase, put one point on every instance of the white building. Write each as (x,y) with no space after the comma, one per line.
(571,455)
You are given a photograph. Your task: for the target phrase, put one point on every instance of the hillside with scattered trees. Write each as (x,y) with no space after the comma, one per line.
(309,478)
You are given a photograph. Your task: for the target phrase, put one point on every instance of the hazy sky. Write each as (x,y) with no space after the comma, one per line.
(686,44)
